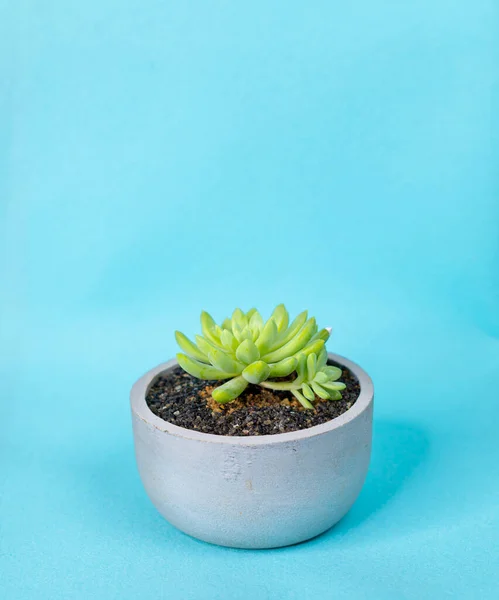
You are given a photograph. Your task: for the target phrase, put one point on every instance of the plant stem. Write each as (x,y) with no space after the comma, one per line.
(289,386)
(279,385)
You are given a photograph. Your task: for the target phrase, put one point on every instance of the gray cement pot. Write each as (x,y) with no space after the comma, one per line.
(256,491)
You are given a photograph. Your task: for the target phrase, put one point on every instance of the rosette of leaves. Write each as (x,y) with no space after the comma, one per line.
(246,349)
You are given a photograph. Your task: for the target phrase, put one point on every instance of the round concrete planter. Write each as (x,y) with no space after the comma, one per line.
(255,491)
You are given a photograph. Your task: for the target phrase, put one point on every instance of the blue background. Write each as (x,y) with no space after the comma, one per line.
(158,158)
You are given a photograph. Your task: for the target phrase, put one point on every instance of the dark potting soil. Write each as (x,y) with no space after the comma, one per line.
(186,402)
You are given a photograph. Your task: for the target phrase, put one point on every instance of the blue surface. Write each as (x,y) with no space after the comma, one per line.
(158,158)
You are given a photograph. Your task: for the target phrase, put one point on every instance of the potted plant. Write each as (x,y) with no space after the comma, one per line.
(255,437)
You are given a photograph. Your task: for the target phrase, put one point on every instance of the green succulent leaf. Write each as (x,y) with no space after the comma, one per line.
(250,313)
(294,345)
(239,318)
(223,361)
(205,345)
(256,321)
(267,336)
(200,370)
(256,372)
(287,335)
(190,348)
(284,367)
(320,391)
(333,373)
(255,325)
(219,357)
(321,377)
(230,390)
(247,334)
(301,367)
(228,340)
(307,392)
(302,400)
(247,352)
(323,334)
(335,386)
(311,365)
(209,327)
(281,317)
(321,359)
(237,332)
(313,348)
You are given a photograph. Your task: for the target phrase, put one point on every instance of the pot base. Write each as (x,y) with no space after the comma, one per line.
(285,535)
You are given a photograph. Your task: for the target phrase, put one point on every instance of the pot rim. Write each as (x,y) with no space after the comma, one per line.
(143,412)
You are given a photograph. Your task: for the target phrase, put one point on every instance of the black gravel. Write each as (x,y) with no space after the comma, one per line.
(184,401)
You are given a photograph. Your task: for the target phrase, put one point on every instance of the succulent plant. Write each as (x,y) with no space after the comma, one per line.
(245,349)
